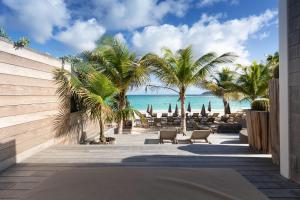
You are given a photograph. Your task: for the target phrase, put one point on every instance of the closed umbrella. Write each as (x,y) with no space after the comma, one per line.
(203,112)
(176,110)
(151,110)
(189,109)
(228,111)
(148,109)
(170,108)
(209,107)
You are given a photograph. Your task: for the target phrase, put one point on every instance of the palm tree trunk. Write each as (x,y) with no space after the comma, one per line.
(121,108)
(101,126)
(183,116)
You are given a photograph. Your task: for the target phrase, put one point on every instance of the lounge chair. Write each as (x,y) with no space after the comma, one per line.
(215,115)
(164,115)
(195,115)
(175,114)
(199,135)
(177,122)
(154,115)
(157,122)
(163,121)
(168,134)
(170,121)
(150,121)
(211,119)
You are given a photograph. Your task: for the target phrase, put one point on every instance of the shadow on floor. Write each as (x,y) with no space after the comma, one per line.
(215,149)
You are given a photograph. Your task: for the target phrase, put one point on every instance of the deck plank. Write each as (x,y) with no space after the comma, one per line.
(131,151)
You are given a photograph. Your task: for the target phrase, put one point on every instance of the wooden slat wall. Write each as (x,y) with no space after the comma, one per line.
(274,119)
(28,102)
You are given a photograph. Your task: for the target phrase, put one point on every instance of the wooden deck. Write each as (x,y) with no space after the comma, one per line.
(142,150)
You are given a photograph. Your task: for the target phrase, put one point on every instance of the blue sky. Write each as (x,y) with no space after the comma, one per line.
(62,27)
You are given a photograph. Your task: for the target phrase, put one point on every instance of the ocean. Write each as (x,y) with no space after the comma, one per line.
(161,102)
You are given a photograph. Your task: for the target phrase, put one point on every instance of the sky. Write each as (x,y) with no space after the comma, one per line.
(248,28)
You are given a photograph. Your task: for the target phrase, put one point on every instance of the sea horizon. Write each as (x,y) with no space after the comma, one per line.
(160,102)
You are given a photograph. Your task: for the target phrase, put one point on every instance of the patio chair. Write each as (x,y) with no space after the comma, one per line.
(199,135)
(168,134)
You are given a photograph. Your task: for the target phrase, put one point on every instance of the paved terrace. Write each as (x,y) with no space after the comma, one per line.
(143,150)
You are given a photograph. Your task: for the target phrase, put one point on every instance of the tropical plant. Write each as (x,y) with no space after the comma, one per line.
(218,85)
(260,104)
(92,89)
(178,71)
(21,43)
(273,62)
(252,81)
(122,67)
(4,34)
(128,113)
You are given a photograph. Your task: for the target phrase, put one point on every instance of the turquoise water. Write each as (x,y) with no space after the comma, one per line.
(161,102)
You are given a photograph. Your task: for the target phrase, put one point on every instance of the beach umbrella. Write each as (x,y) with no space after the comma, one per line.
(227,109)
(209,107)
(203,112)
(148,108)
(189,109)
(176,110)
(170,108)
(151,110)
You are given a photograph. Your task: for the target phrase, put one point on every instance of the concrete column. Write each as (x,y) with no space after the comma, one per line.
(284,90)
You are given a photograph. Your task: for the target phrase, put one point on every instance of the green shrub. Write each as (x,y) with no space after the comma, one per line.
(260,105)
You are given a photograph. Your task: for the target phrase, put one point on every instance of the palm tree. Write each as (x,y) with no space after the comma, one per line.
(91,88)
(218,85)
(252,82)
(178,71)
(122,67)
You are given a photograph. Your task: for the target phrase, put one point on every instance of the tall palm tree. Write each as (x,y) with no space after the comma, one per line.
(218,84)
(91,88)
(178,71)
(252,81)
(122,67)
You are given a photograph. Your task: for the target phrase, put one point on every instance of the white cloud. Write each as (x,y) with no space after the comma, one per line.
(204,3)
(262,35)
(39,17)
(129,14)
(82,35)
(121,38)
(208,34)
